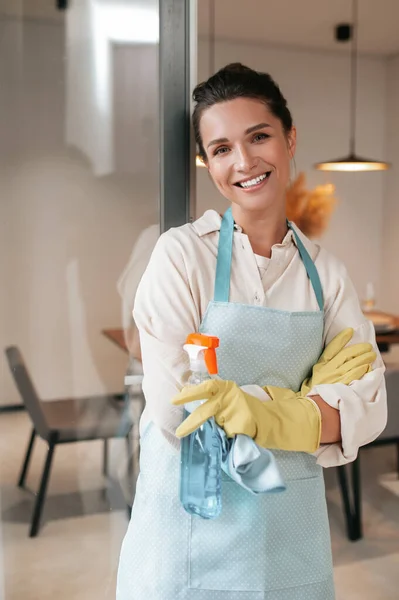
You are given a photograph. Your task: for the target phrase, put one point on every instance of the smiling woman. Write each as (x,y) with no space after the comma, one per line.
(275,300)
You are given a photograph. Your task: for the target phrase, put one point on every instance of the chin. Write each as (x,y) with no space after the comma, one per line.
(254,203)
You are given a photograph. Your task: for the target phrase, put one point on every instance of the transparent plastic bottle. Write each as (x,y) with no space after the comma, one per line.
(201,451)
(369,300)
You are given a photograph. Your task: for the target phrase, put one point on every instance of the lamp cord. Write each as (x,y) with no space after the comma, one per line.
(212,23)
(353,77)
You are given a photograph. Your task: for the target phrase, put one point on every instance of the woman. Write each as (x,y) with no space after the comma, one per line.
(274,299)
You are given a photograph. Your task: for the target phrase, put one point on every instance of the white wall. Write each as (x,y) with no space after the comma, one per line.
(390,251)
(65,234)
(316,85)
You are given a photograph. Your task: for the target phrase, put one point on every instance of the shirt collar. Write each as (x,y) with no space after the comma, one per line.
(209,223)
(211,220)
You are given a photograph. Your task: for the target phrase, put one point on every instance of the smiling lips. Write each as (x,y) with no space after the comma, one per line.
(255,181)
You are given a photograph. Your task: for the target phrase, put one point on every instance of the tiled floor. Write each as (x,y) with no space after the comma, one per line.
(75,556)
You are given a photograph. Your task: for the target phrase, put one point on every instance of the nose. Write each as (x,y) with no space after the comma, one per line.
(245,161)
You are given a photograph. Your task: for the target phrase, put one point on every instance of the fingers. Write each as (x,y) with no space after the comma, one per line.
(202,391)
(362,351)
(355,374)
(345,376)
(337,344)
(198,417)
(358,361)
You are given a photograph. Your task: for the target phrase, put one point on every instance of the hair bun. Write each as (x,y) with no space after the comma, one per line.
(237,68)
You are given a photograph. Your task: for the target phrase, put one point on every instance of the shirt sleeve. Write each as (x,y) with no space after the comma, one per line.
(362,404)
(165,312)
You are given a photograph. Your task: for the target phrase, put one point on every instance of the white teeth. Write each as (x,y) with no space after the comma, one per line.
(255,181)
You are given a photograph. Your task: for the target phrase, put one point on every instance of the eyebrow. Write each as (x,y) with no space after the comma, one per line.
(247,131)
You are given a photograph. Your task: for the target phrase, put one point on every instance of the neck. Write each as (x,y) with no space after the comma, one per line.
(263,230)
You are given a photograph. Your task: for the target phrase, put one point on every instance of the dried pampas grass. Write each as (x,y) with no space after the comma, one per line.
(310,210)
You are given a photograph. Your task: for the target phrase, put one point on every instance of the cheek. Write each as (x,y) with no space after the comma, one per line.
(218,175)
(284,162)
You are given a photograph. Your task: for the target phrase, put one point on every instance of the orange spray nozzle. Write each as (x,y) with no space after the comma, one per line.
(210,343)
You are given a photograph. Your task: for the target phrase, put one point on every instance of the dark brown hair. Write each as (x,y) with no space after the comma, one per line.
(238,81)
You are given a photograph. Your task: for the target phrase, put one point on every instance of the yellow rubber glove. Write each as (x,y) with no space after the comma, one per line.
(337,364)
(340,364)
(284,424)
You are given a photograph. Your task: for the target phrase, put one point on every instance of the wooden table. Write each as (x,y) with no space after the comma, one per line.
(116,336)
(384,340)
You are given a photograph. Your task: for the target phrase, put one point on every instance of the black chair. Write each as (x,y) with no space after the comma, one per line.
(351,491)
(65,421)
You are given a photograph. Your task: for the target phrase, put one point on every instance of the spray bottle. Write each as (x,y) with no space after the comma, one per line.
(201,451)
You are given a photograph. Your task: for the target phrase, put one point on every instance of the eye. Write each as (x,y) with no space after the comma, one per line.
(221,150)
(259,137)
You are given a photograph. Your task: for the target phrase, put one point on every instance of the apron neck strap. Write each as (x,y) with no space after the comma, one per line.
(225,253)
(310,268)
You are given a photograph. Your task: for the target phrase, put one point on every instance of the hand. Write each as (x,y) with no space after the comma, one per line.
(225,401)
(291,424)
(341,364)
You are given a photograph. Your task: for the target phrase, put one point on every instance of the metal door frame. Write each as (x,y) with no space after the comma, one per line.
(177,75)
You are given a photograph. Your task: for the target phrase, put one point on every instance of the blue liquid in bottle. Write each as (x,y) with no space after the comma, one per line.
(201,465)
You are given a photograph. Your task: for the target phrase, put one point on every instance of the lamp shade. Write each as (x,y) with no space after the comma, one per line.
(199,162)
(352,162)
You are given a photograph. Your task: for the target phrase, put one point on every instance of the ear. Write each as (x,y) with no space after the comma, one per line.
(291,139)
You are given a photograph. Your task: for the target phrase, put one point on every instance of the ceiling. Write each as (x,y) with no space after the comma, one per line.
(295,23)
(304,23)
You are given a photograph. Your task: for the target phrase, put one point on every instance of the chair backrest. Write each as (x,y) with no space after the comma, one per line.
(27,390)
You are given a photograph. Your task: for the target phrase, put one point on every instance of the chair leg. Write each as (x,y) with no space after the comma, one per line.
(357,498)
(343,483)
(352,511)
(22,477)
(397,458)
(130,457)
(42,492)
(130,472)
(105,458)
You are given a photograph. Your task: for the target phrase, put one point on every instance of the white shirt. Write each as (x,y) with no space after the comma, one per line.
(178,285)
(262,263)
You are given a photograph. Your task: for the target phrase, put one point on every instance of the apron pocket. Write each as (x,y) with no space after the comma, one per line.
(263,543)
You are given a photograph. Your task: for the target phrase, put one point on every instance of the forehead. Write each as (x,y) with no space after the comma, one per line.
(230,119)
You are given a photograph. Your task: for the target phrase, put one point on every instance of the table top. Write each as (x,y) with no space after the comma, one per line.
(388,338)
(384,340)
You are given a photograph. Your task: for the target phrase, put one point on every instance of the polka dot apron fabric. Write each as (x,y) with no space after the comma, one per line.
(266,547)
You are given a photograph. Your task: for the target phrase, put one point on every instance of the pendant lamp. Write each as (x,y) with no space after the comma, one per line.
(199,162)
(353,162)
(212,20)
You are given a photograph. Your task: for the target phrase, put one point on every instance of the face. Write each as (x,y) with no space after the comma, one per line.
(248,153)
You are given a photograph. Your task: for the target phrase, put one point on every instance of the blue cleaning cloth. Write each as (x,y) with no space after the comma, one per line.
(249,465)
(252,467)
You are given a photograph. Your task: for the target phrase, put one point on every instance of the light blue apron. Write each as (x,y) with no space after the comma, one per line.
(265,547)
